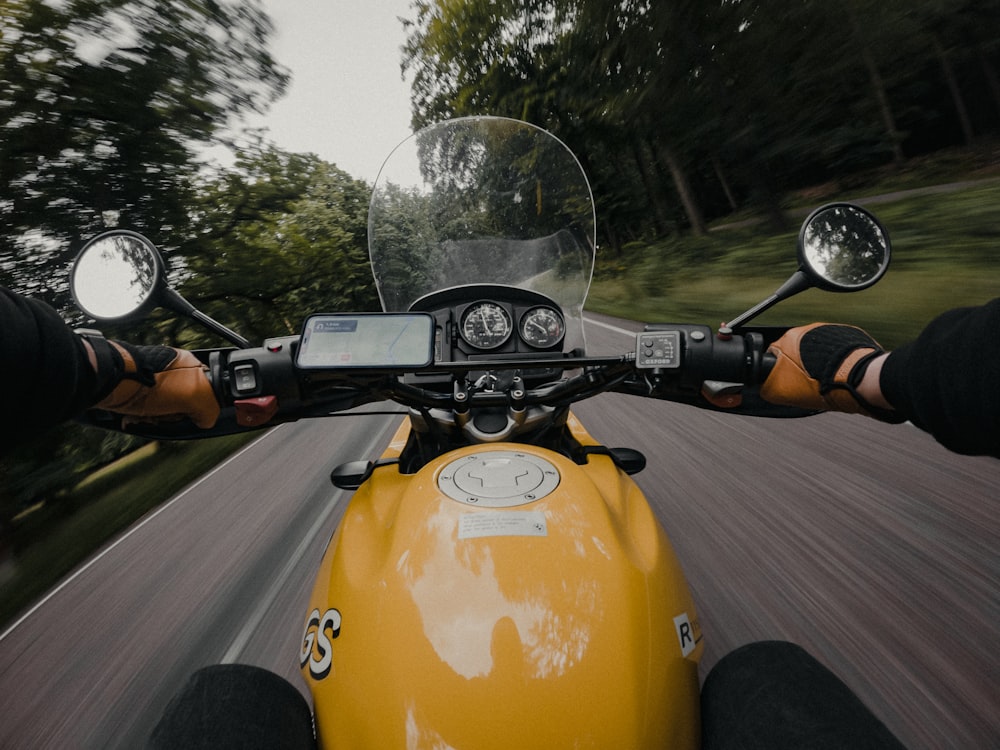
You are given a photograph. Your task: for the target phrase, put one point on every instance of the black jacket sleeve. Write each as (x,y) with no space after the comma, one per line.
(947,381)
(45,375)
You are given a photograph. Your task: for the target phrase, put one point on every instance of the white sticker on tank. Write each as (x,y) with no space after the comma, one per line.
(685,634)
(511,523)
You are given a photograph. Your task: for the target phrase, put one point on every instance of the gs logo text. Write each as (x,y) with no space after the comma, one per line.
(317,648)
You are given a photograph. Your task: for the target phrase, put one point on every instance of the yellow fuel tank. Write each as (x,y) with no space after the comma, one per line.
(502,597)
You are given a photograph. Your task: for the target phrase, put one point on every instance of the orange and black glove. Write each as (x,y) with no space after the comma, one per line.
(153,384)
(819,366)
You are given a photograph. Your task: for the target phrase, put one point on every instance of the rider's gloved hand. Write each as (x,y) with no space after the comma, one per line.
(153,383)
(820,366)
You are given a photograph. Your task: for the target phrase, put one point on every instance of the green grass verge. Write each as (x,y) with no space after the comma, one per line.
(946,253)
(100,507)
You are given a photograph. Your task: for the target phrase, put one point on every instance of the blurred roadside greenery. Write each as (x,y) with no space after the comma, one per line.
(946,253)
(54,538)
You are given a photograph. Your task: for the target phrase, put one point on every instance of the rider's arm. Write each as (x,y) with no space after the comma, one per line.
(50,374)
(870,387)
(945,381)
(46,375)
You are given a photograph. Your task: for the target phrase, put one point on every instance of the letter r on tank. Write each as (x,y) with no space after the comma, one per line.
(685,634)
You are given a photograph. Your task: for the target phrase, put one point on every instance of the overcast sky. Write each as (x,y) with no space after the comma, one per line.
(347,102)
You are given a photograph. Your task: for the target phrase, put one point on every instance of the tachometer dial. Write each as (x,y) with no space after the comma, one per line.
(486,325)
(542,327)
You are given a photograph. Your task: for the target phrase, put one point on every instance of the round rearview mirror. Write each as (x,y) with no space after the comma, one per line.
(116,275)
(843,248)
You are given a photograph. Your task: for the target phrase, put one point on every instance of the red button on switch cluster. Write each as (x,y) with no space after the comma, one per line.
(253,412)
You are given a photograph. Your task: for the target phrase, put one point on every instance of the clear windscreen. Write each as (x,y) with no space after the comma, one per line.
(483,200)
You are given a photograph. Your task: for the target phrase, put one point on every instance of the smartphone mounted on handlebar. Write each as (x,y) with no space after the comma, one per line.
(377,342)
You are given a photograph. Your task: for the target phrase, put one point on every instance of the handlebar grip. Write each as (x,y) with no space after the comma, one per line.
(692,354)
(179,429)
(767,363)
(692,364)
(182,429)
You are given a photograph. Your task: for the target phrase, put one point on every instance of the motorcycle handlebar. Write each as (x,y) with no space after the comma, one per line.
(690,364)
(714,370)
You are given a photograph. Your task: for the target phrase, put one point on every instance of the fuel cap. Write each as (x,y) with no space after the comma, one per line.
(498,479)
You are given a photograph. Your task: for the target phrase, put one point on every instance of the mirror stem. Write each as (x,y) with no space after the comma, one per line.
(177,303)
(220,329)
(797,282)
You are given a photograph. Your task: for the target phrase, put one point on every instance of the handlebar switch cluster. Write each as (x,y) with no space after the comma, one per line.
(264,371)
(658,350)
(244,378)
(687,356)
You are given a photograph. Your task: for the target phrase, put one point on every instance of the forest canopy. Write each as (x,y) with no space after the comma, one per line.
(104,105)
(683,111)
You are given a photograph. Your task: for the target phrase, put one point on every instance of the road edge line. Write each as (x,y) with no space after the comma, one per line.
(134,528)
(616,329)
(263,605)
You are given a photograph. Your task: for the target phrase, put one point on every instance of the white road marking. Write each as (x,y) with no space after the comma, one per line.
(264,603)
(90,563)
(616,329)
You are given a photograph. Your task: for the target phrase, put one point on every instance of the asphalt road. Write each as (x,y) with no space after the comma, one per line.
(868,544)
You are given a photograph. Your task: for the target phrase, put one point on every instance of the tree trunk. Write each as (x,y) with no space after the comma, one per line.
(760,185)
(990,73)
(661,220)
(612,237)
(625,177)
(683,186)
(717,166)
(882,97)
(878,88)
(956,92)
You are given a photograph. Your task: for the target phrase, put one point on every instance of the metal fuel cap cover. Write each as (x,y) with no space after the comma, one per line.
(498,479)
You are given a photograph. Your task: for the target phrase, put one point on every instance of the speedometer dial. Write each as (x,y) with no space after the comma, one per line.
(486,325)
(542,327)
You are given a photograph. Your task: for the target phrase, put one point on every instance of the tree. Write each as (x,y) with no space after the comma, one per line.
(280,236)
(46,468)
(486,57)
(960,37)
(102,103)
(540,61)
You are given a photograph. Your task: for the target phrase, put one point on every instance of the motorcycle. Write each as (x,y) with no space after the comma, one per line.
(497,579)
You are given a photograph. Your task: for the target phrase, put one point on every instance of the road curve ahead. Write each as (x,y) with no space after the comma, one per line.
(868,544)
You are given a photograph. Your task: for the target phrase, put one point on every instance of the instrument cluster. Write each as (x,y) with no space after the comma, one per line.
(487,325)
(484,322)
